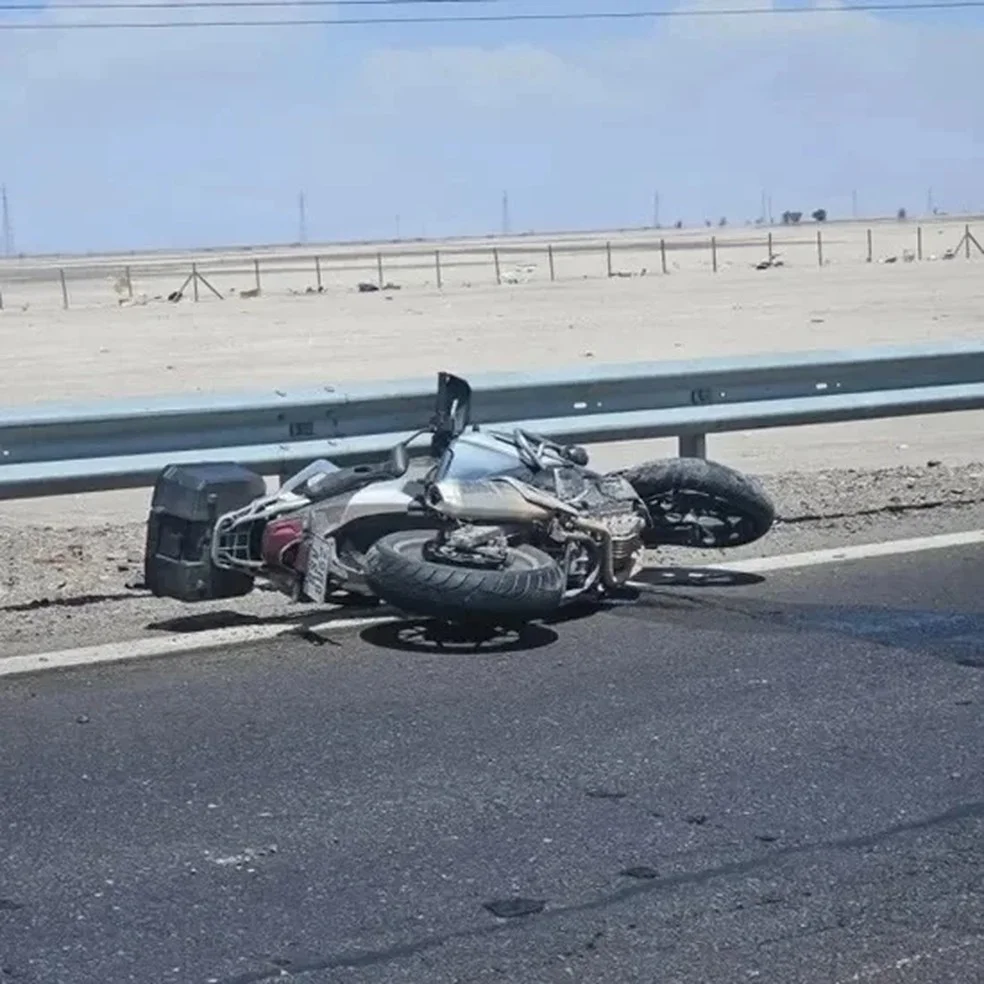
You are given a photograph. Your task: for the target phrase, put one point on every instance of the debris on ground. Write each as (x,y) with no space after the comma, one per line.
(774,260)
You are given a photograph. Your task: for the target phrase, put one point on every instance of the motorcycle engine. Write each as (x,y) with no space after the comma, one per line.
(606,499)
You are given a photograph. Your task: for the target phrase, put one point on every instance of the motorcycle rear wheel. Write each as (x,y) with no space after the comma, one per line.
(529,586)
(702,504)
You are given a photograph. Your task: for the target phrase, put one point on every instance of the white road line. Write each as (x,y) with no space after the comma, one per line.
(862,551)
(173,645)
(169,645)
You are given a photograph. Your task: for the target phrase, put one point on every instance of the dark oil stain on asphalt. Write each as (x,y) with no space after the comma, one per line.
(954,636)
(640,871)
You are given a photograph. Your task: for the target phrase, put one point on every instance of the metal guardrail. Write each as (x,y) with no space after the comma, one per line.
(49,450)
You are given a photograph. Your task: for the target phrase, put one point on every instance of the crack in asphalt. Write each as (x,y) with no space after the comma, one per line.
(281,967)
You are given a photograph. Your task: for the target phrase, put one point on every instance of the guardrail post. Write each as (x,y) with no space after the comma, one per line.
(919,242)
(256,272)
(64,286)
(317,272)
(608,256)
(194,279)
(550,260)
(379,270)
(693,445)
(819,249)
(662,254)
(129,284)
(966,242)
(1,300)
(714,254)
(437,266)
(870,252)
(498,272)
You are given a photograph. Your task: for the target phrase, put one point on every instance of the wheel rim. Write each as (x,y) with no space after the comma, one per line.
(413,547)
(700,519)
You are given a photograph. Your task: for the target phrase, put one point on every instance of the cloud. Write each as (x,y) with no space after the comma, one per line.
(156,137)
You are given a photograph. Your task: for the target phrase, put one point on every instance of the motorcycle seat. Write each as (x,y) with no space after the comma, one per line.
(327,484)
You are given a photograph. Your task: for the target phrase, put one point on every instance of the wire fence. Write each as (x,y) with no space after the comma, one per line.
(82,283)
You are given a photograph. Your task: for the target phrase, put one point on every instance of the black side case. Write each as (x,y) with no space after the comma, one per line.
(187,501)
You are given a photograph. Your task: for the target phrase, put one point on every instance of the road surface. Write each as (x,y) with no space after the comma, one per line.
(775,781)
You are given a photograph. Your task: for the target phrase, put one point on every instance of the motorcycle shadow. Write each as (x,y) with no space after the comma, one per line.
(435,638)
(694,577)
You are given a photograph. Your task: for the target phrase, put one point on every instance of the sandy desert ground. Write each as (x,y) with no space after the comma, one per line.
(100,349)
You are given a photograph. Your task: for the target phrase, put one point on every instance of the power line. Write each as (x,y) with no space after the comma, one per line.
(8,229)
(479,18)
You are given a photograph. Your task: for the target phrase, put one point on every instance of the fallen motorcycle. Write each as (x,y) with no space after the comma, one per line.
(489,526)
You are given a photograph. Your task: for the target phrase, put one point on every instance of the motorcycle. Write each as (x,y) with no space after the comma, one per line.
(490,525)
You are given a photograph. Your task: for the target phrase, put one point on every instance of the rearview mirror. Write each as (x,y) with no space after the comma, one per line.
(452,411)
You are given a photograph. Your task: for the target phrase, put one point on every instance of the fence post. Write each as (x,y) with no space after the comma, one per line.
(317,272)
(550,259)
(608,257)
(662,254)
(437,266)
(64,286)
(379,270)
(714,254)
(870,251)
(967,240)
(693,445)
(919,242)
(129,283)
(819,249)
(194,279)
(256,272)
(498,272)
(770,245)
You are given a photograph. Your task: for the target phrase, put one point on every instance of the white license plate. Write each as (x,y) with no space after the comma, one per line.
(316,575)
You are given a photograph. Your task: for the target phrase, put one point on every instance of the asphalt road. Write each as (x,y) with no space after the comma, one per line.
(778,781)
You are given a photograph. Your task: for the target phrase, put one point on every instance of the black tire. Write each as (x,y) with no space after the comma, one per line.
(732,509)
(531,586)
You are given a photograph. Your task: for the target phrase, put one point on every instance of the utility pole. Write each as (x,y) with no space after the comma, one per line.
(301,220)
(505,213)
(8,231)
(655,209)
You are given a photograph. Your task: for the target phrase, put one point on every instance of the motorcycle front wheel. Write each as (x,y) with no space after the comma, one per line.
(698,503)
(529,585)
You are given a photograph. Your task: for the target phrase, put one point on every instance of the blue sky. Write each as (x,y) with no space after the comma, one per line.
(118,140)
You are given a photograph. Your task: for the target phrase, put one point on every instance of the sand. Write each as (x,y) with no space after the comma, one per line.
(99,348)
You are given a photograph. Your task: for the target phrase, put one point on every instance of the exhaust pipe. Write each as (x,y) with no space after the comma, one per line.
(484,502)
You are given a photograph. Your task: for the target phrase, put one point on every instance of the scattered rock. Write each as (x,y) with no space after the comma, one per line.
(696,819)
(367,287)
(515,907)
(82,719)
